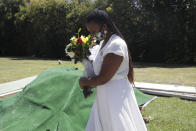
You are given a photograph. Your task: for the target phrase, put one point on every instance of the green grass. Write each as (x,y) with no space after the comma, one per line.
(171,114)
(167,74)
(168,114)
(12,68)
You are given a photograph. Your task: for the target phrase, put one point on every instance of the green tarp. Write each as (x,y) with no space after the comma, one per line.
(51,102)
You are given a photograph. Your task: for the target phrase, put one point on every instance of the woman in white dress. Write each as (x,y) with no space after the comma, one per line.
(115,107)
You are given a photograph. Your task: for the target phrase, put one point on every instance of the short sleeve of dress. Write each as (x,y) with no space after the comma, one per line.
(115,47)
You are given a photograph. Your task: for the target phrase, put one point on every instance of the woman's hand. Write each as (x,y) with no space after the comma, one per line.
(106,73)
(82,82)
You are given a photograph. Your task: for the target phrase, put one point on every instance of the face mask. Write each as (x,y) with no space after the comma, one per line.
(100,36)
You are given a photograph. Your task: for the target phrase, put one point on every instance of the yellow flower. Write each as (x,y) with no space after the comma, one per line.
(84,39)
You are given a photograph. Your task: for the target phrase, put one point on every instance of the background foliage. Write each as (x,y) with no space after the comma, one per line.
(158,30)
(40,27)
(155,30)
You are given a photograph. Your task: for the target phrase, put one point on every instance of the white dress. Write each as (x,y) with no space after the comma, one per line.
(115,107)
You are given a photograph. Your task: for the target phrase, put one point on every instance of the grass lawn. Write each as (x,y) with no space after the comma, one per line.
(168,114)
(171,114)
(166,74)
(12,68)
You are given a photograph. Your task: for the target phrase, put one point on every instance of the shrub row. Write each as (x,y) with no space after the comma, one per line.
(155,30)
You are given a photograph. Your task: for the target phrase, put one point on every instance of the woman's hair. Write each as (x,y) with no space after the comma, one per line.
(100,17)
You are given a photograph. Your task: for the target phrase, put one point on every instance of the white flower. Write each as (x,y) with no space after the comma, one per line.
(73,38)
(71,54)
(67,47)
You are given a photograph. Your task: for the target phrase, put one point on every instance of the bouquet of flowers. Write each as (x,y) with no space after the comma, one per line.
(78,49)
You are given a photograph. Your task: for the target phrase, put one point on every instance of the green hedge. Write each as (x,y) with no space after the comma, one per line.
(155,30)
(158,30)
(41,27)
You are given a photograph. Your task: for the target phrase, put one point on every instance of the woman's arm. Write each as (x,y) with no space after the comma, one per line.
(110,65)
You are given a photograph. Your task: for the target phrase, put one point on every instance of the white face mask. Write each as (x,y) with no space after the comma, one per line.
(101,36)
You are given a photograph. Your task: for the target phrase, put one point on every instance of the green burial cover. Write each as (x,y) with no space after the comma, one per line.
(51,102)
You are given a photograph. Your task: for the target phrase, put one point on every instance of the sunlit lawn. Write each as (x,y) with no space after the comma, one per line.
(168,114)
(166,73)
(12,68)
(171,114)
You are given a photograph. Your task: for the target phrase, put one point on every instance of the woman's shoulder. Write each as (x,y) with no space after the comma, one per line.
(117,41)
(116,45)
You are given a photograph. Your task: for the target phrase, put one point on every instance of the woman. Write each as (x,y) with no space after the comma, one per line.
(115,107)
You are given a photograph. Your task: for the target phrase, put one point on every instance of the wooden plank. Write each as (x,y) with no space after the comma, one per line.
(165,87)
(171,94)
(15,86)
(9,93)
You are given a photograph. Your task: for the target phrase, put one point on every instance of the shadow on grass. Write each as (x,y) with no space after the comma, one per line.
(35,58)
(162,65)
